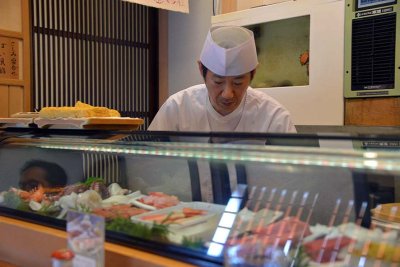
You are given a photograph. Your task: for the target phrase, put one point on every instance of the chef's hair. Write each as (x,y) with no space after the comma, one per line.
(204,70)
(55,174)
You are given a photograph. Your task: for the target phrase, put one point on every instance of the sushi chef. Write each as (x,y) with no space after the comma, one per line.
(225,102)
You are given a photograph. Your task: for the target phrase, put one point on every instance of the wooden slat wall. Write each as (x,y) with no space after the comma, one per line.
(163,56)
(102,52)
(102,165)
(26,70)
(15,93)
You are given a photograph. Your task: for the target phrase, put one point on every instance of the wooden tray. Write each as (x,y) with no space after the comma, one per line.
(25,115)
(102,123)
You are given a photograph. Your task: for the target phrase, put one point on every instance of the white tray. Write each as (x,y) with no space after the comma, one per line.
(211,209)
(202,226)
(16,122)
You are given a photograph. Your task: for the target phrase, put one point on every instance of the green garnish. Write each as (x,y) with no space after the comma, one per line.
(192,242)
(83,208)
(301,258)
(48,209)
(155,232)
(90,180)
(12,200)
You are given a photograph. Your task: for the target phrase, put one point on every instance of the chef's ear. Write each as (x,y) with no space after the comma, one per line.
(203,69)
(253,73)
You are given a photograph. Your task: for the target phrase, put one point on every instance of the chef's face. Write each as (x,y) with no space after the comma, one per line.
(226,92)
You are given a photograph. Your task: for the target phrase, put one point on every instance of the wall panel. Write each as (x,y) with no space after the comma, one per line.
(14,23)
(381,111)
(3,101)
(10,15)
(15,99)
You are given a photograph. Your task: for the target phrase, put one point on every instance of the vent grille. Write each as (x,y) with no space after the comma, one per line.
(373,52)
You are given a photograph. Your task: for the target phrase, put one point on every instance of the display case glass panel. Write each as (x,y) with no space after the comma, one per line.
(214,198)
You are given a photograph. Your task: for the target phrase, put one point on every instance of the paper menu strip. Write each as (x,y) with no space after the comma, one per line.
(173,5)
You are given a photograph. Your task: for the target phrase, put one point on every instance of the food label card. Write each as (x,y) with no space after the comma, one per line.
(86,239)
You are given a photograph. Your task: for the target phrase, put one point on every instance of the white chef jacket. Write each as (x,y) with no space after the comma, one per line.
(191,110)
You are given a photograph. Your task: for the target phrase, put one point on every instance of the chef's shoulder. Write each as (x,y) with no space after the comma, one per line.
(274,115)
(189,96)
(262,100)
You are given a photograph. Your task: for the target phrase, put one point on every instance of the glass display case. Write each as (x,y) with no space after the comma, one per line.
(214,198)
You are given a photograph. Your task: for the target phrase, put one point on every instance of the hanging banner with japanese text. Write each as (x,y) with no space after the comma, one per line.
(9,60)
(173,5)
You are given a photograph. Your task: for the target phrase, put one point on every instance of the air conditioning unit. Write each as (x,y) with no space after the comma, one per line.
(372,48)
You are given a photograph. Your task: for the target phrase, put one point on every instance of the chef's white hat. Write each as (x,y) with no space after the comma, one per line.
(229,51)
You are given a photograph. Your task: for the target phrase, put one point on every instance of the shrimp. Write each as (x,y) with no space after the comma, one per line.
(35,195)
(38,194)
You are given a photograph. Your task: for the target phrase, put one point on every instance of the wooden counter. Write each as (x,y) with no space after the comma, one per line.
(27,244)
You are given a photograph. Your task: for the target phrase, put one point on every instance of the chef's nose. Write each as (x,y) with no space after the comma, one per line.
(227,93)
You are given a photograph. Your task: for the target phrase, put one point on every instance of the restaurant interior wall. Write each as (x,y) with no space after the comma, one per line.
(186,34)
(373,111)
(318,101)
